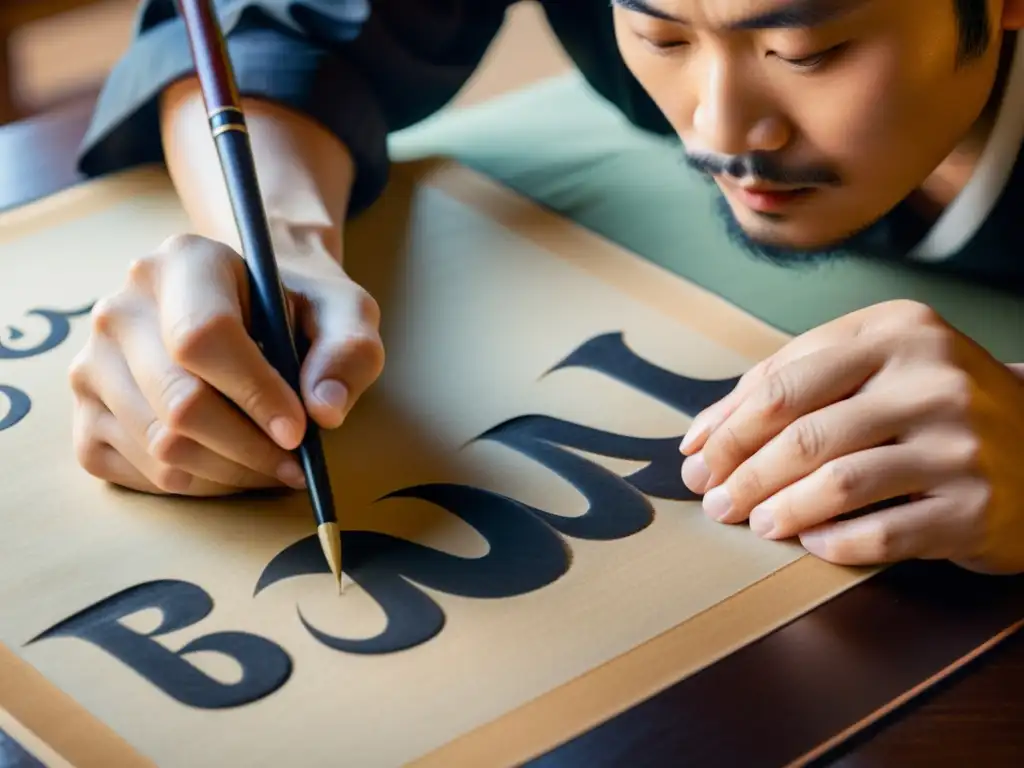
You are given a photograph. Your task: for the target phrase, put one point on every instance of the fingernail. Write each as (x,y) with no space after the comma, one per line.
(290,474)
(177,481)
(699,428)
(333,394)
(717,503)
(813,542)
(284,432)
(762,521)
(696,473)
(690,437)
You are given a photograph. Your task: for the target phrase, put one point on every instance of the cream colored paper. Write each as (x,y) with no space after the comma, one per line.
(482,294)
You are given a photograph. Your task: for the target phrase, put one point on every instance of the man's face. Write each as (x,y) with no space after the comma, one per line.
(814,117)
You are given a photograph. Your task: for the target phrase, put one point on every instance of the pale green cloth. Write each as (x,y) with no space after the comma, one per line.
(563,146)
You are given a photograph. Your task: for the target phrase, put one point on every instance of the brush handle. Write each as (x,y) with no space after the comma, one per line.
(271,322)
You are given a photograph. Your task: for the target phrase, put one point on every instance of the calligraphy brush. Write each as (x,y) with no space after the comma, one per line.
(228,128)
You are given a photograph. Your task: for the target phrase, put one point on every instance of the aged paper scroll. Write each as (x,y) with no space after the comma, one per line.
(525,559)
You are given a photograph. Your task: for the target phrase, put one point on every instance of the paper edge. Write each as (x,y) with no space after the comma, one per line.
(578,705)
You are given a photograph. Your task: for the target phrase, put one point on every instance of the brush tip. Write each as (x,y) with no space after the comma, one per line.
(330,543)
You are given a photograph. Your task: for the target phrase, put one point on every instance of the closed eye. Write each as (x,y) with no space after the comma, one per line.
(665,45)
(814,60)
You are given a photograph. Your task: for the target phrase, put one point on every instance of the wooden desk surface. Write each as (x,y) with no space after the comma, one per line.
(975,718)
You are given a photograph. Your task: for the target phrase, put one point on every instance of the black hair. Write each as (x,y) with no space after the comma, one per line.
(973,22)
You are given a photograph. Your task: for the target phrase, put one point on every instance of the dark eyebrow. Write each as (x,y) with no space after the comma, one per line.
(795,14)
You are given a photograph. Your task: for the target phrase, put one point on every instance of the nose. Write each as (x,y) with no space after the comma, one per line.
(732,116)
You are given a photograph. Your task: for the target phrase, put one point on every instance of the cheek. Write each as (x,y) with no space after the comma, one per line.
(848,117)
(889,119)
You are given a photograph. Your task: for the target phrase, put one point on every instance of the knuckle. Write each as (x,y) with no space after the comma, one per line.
(880,544)
(78,375)
(915,313)
(89,453)
(366,352)
(967,452)
(178,243)
(806,440)
(777,395)
(722,447)
(196,247)
(142,270)
(913,328)
(170,479)
(181,395)
(746,486)
(954,391)
(978,508)
(926,342)
(107,313)
(844,480)
(938,339)
(786,520)
(369,309)
(241,477)
(764,369)
(88,447)
(252,399)
(190,337)
(167,446)
(836,551)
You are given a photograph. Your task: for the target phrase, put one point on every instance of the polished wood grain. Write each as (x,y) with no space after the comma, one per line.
(777,700)
(913,615)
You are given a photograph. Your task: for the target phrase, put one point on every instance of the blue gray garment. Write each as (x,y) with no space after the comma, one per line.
(362,73)
(366,68)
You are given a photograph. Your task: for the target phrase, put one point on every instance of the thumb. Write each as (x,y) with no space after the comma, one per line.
(345,353)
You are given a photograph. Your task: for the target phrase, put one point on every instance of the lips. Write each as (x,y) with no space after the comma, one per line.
(766,199)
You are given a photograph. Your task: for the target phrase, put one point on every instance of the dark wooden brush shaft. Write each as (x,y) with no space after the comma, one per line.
(213,67)
(270,318)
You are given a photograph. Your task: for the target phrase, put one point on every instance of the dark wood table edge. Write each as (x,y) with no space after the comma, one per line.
(874,628)
(823,685)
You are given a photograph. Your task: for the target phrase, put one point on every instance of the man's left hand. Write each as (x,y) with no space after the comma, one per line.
(885,404)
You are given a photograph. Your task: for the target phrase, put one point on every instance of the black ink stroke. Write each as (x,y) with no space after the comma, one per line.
(617,507)
(538,437)
(265,665)
(609,354)
(524,555)
(59,322)
(526,551)
(18,408)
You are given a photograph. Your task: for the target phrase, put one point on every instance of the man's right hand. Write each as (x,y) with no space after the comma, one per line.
(173,396)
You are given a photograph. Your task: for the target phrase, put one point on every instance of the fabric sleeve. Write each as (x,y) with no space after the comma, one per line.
(360,68)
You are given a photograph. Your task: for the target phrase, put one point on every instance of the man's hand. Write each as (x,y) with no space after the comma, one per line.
(172,395)
(888,405)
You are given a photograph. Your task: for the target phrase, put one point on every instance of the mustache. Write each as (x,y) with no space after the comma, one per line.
(760,166)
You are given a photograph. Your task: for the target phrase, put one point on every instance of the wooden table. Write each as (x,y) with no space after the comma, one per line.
(815,666)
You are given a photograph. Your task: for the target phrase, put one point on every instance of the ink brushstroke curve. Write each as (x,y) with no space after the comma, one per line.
(59,328)
(389,568)
(265,665)
(19,404)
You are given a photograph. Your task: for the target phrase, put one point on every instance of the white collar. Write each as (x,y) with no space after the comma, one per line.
(964,217)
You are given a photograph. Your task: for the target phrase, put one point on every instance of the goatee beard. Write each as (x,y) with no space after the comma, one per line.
(874,241)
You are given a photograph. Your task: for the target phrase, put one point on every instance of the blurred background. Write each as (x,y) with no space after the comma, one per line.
(53,52)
